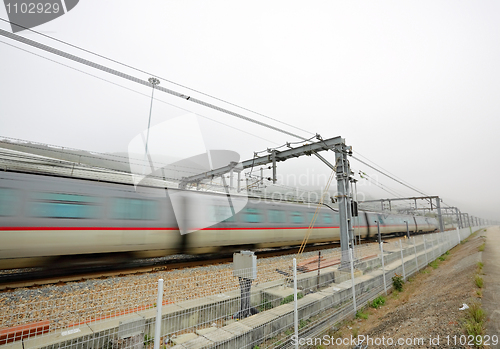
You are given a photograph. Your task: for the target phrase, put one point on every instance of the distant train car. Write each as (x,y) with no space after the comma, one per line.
(55,220)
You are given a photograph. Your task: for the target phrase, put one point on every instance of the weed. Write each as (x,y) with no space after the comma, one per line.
(148,339)
(481,248)
(397,282)
(378,302)
(289,298)
(474,321)
(302,323)
(480,265)
(434,264)
(479,281)
(479,293)
(355,331)
(361,315)
(266,305)
(425,271)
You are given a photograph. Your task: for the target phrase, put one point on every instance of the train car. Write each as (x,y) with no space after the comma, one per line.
(55,220)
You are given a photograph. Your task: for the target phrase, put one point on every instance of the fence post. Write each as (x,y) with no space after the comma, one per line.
(432,249)
(352,279)
(319,267)
(458,233)
(159,303)
(415,248)
(383,266)
(425,249)
(402,259)
(295,311)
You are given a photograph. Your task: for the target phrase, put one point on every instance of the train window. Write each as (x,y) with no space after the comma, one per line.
(276,216)
(252,215)
(327,218)
(220,214)
(297,217)
(125,208)
(57,205)
(310,216)
(8,202)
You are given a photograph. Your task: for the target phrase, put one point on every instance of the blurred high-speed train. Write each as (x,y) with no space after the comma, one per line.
(51,220)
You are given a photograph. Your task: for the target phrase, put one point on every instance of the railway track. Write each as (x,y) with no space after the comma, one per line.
(35,277)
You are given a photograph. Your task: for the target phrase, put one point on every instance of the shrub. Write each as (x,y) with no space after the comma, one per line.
(377,302)
(397,282)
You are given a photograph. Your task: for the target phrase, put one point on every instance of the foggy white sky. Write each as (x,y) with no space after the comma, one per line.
(412,86)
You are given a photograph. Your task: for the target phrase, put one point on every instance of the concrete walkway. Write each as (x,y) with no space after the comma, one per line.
(491,294)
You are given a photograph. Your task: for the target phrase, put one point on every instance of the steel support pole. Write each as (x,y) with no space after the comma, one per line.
(342,175)
(440,217)
(273,157)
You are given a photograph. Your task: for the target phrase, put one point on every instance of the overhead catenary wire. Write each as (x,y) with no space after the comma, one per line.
(163,89)
(135,91)
(148,73)
(139,81)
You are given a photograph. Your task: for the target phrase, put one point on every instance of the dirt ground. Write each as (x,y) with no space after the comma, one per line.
(426,313)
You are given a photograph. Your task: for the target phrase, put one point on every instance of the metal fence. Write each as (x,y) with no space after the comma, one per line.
(216,307)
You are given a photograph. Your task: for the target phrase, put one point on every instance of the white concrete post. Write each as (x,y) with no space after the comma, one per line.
(159,302)
(402,259)
(295,311)
(458,233)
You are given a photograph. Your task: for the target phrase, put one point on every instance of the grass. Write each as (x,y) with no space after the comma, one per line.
(479,281)
(481,248)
